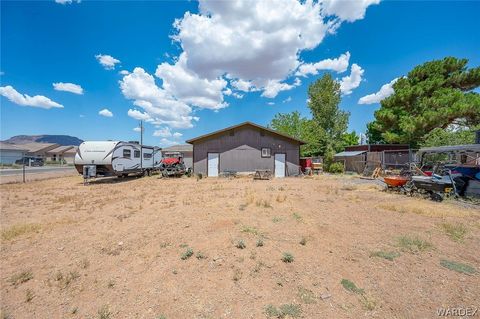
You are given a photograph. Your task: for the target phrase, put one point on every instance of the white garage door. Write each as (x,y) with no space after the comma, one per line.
(279,165)
(213,164)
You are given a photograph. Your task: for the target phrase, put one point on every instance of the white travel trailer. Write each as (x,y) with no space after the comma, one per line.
(116,158)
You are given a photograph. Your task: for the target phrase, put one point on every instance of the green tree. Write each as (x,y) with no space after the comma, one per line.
(432,95)
(295,125)
(450,136)
(350,138)
(324,99)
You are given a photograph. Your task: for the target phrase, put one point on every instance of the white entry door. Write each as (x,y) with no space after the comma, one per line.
(279,165)
(213,160)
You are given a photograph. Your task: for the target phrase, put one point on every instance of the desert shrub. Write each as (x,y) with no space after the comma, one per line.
(287,310)
(200,255)
(187,254)
(104,313)
(350,286)
(336,168)
(18,230)
(458,267)
(20,278)
(287,257)
(303,241)
(260,242)
(240,244)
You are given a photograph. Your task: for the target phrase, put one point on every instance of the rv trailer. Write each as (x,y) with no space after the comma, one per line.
(116,158)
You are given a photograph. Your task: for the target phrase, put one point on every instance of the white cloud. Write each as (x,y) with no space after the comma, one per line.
(106,113)
(338,65)
(160,106)
(271,103)
(189,88)
(347,10)
(107,61)
(275,33)
(177,135)
(123,72)
(242,85)
(288,99)
(274,87)
(385,91)
(67,1)
(137,129)
(352,81)
(25,100)
(237,95)
(163,132)
(136,114)
(68,87)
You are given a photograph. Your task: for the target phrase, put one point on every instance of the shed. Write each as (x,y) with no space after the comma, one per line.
(354,161)
(245,148)
(185,149)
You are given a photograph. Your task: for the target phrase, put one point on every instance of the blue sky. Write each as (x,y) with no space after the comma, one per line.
(210,70)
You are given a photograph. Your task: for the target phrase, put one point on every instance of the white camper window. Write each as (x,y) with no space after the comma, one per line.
(266,152)
(127,153)
(136,154)
(147,155)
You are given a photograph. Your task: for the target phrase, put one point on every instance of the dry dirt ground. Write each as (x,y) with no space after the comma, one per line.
(114,250)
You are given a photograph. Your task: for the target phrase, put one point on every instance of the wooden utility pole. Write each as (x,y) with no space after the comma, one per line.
(141,146)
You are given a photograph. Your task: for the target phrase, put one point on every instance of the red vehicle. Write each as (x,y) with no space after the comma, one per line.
(172,165)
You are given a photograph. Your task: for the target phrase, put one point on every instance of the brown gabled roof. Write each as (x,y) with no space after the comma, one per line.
(38,147)
(11,147)
(60,149)
(193,140)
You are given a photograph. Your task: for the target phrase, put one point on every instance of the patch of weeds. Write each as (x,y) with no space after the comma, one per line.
(287,257)
(456,232)
(65,281)
(349,187)
(297,217)
(29,295)
(242,206)
(237,275)
(74,310)
(183,245)
(287,310)
(200,255)
(164,245)
(240,244)
(303,241)
(306,295)
(18,230)
(104,312)
(250,230)
(111,283)
(161,317)
(350,286)
(84,263)
(253,255)
(389,255)
(458,267)
(281,198)
(413,244)
(20,278)
(259,242)
(263,203)
(276,219)
(187,254)
(368,302)
(258,266)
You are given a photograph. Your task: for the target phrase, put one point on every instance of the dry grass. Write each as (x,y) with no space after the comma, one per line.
(427,208)
(19,230)
(456,231)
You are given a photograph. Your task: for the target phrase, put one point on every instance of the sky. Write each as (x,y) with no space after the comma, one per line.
(94,69)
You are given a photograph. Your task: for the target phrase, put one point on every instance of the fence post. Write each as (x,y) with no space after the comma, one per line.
(23,171)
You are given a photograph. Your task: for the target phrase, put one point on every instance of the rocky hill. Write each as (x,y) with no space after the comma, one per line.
(58,139)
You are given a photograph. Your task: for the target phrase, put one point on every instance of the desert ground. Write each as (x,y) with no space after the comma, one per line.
(321,247)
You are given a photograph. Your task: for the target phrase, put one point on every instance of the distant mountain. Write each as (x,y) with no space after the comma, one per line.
(58,139)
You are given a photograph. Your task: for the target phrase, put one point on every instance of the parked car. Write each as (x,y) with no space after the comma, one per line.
(31,161)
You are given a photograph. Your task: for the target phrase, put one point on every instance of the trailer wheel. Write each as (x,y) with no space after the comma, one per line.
(436,197)
(149,172)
